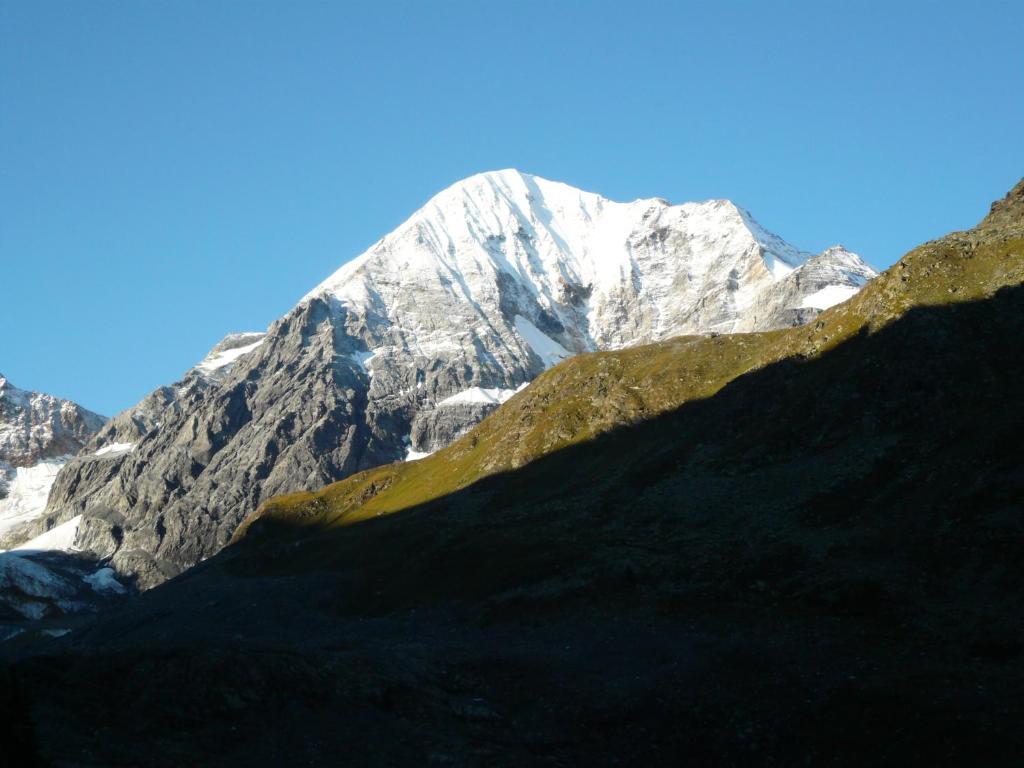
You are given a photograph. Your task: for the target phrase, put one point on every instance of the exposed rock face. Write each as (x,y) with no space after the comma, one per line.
(92,477)
(290,413)
(494,280)
(37,434)
(36,426)
(435,428)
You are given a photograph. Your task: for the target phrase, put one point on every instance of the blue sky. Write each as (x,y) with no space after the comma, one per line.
(173,171)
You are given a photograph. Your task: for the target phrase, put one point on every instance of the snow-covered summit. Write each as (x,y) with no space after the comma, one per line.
(406,347)
(503,274)
(601,273)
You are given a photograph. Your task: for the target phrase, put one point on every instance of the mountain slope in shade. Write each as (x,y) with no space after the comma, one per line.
(797,547)
(602,392)
(492,282)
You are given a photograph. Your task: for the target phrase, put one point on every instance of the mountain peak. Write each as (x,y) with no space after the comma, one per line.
(560,256)
(501,176)
(509,188)
(492,281)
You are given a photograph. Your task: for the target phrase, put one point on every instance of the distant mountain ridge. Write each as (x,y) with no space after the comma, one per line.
(405,348)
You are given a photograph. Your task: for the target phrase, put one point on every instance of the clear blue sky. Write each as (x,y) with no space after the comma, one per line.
(172,171)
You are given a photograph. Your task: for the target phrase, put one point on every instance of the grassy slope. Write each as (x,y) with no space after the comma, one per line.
(591,394)
(685,554)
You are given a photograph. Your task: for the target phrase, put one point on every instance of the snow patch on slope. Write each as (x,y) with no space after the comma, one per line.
(104,581)
(28,488)
(60,538)
(34,580)
(546,348)
(362,361)
(115,449)
(218,359)
(411,455)
(829,296)
(480,395)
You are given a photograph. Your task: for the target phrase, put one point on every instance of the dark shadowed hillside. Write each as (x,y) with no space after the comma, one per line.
(793,548)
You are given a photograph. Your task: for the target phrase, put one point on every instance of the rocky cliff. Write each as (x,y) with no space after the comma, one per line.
(38,433)
(403,349)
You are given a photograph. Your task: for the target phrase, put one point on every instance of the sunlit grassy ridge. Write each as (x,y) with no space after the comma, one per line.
(711,550)
(594,393)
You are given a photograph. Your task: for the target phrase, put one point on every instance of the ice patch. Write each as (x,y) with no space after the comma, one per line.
(214,362)
(546,348)
(33,580)
(60,539)
(362,359)
(411,455)
(104,580)
(829,296)
(480,395)
(114,449)
(27,493)
(778,267)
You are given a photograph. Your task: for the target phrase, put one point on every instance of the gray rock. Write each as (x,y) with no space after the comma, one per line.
(485,287)
(38,432)
(36,426)
(435,428)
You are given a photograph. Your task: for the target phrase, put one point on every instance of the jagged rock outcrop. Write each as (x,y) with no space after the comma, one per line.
(92,474)
(38,432)
(493,281)
(435,428)
(36,426)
